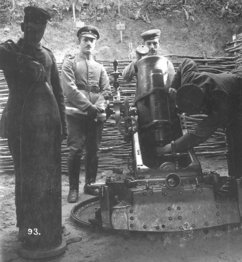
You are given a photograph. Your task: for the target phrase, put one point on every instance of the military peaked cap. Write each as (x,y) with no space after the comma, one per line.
(151,34)
(88,31)
(36,15)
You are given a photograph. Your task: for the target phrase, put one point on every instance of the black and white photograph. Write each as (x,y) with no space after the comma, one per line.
(121,131)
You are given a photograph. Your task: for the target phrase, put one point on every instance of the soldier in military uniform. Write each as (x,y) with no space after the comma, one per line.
(151,39)
(85,83)
(23,63)
(218,96)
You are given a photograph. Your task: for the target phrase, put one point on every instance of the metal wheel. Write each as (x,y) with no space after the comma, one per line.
(82,212)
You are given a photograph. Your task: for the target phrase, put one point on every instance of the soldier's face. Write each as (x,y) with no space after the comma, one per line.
(153,46)
(87,44)
(33,33)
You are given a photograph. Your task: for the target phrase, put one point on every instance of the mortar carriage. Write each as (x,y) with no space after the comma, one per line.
(159,194)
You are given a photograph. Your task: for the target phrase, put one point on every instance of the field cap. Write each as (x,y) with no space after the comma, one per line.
(151,34)
(36,15)
(88,31)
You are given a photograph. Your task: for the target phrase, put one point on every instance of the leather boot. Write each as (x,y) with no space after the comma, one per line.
(91,166)
(74,164)
(73,196)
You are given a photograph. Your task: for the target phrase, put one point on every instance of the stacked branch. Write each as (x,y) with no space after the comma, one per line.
(114,152)
(234,48)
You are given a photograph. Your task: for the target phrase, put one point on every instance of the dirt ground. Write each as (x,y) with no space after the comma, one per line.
(86,244)
(178,36)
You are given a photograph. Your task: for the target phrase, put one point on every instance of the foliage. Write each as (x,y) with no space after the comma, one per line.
(230,10)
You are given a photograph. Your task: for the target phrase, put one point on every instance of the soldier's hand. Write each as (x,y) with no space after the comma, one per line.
(38,71)
(107,94)
(92,111)
(100,109)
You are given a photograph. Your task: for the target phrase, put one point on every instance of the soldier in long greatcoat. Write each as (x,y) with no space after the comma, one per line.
(23,63)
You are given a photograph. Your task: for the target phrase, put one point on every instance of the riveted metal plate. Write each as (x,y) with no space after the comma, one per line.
(164,210)
(119,217)
(182,209)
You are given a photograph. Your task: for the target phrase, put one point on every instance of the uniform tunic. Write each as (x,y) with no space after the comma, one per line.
(81,76)
(223,107)
(84,82)
(14,65)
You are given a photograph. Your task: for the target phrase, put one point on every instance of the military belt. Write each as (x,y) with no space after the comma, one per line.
(89,89)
